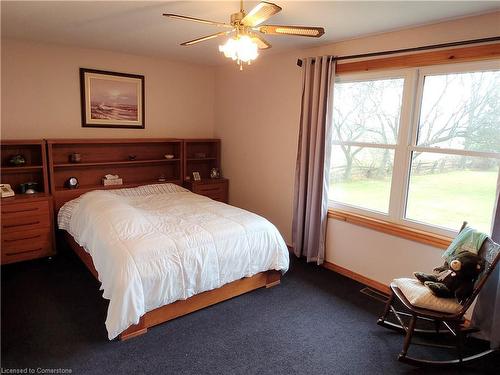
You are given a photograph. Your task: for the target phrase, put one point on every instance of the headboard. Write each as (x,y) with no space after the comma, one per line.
(136,161)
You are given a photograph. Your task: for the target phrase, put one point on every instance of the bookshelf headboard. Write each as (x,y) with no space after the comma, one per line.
(136,161)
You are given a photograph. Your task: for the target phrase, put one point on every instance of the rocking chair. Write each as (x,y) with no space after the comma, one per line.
(452,321)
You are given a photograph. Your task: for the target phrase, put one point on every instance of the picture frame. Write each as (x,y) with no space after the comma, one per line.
(196,176)
(111,99)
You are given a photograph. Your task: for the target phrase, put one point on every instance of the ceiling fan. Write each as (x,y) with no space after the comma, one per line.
(243,46)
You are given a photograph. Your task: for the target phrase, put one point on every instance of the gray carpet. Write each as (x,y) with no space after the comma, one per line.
(315,322)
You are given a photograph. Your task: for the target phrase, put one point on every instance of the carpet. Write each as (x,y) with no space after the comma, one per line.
(314,322)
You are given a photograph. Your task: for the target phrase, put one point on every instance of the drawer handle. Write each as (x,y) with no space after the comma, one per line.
(25,210)
(210,189)
(22,225)
(22,239)
(23,252)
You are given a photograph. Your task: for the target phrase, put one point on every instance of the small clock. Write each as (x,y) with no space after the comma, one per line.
(71,183)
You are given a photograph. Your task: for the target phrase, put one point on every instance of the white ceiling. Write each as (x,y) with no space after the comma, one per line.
(138,27)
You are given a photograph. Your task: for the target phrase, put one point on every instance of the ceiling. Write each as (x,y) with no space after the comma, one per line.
(138,27)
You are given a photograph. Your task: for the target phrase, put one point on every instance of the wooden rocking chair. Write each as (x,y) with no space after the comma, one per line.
(453,322)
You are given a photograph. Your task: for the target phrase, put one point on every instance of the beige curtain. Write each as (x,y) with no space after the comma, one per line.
(313,159)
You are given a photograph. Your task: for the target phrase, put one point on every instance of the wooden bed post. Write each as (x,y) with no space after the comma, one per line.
(134,330)
(273,278)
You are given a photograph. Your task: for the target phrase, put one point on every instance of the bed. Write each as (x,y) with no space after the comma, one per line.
(161,251)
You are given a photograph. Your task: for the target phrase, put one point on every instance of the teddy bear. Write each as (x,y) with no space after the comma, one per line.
(456,278)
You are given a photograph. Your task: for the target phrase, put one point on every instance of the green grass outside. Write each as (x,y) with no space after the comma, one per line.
(444,199)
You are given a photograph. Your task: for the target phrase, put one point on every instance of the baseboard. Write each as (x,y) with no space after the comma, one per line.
(357,277)
(353,275)
(367,281)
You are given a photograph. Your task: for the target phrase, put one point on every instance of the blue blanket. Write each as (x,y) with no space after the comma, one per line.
(468,239)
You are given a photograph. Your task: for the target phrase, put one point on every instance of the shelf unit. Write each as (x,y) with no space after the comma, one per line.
(35,169)
(129,162)
(27,220)
(111,156)
(193,163)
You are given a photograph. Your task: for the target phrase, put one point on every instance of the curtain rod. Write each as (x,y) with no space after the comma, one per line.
(413,49)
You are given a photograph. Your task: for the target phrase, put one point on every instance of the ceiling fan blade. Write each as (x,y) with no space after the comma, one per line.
(260,13)
(261,42)
(199,20)
(203,38)
(313,32)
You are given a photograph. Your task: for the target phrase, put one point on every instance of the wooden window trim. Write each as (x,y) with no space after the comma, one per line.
(439,57)
(398,230)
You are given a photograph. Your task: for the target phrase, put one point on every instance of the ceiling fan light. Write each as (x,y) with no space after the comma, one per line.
(241,48)
(247,49)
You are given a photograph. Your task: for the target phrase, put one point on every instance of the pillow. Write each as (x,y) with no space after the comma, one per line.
(421,296)
(144,190)
(64,214)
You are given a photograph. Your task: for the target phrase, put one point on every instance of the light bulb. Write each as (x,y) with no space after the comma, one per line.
(241,49)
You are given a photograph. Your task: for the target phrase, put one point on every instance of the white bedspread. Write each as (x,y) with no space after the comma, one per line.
(156,249)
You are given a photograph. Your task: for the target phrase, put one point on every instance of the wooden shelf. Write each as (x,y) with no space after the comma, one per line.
(111,156)
(21,169)
(110,163)
(35,168)
(201,159)
(25,197)
(104,141)
(193,147)
(123,186)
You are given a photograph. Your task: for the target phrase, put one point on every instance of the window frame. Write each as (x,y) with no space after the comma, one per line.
(406,144)
(407,76)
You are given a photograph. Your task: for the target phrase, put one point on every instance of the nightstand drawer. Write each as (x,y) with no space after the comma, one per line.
(26,239)
(216,189)
(25,209)
(24,223)
(36,249)
(208,189)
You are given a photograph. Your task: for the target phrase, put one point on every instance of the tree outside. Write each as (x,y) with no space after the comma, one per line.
(458,111)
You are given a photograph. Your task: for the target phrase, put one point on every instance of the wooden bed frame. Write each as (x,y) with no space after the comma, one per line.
(93,150)
(179,308)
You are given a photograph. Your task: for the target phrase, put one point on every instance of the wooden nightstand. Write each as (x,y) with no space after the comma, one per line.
(27,219)
(216,189)
(27,228)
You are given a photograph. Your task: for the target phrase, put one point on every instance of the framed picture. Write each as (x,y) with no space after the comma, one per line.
(196,176)
(111,100)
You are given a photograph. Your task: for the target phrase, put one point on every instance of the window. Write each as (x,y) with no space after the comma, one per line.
(419,147)
(365,132)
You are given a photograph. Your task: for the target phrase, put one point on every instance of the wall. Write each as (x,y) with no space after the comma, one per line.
(255,112)
(258,128)
(41,93)
(377,255)
(257,116)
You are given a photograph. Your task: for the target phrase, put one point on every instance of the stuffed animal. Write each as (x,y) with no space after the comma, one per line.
(455,279)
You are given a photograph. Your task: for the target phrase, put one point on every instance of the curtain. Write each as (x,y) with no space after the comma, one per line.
(313,160)
(486,314)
